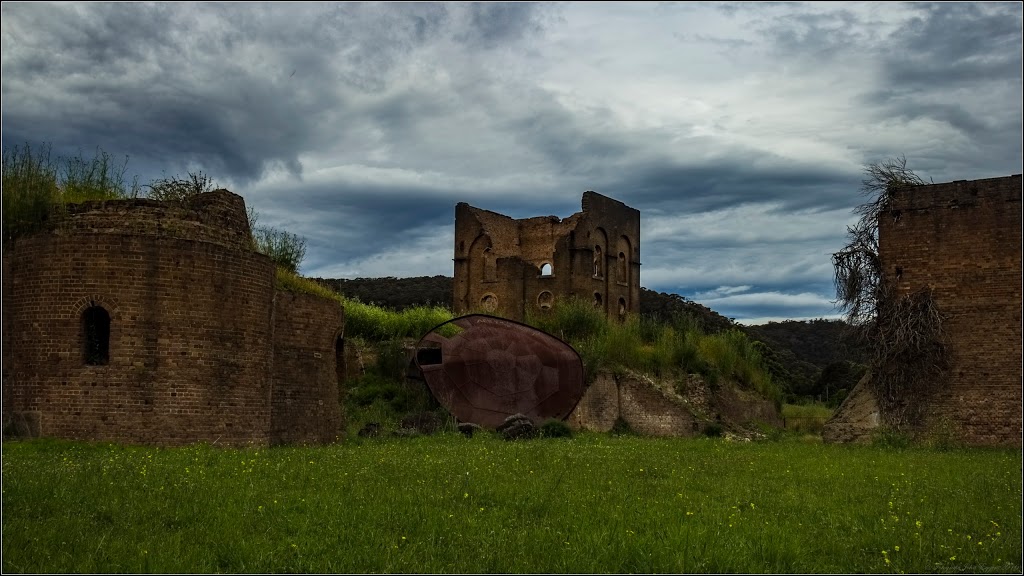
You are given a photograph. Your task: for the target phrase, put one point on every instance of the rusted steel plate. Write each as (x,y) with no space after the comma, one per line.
(496,367)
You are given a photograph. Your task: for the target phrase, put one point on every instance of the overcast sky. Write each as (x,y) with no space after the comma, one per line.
(739,130)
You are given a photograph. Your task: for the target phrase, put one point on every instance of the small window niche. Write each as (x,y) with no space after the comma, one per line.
(96,327)
(545,300)
(545,269)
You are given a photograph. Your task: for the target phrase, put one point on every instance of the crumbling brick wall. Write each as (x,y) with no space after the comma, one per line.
(141,321)
(963,240)
(509,267)
(307,374)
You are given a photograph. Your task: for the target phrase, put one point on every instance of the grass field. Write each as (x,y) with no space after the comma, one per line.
(442,504)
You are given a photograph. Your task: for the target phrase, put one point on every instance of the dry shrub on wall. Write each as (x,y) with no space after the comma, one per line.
(175,189)
(905,334)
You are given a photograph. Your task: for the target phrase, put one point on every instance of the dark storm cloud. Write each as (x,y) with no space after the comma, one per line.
(497,23)
(232,87)
(952,44)
(958,64)
(738,130)
(668,185)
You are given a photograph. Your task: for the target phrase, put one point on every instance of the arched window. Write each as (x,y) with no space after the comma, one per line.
(489,302)
(623,268)
(598,303)
(96,326)
(598,262)
(490,266)
(545,300)
(545,269)
(622,307)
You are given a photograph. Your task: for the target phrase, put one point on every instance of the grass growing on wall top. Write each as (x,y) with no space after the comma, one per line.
(447,504)
(367,321)
(36,185)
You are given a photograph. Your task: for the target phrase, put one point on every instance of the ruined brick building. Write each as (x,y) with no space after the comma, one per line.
(155,322)
(963,240)
(508,267)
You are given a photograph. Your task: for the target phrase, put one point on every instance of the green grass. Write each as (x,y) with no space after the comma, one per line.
(446,504)
(808,418)
(367,321)
(37,185)
(666,349)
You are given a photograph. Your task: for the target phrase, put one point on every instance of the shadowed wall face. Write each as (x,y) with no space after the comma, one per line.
(511,267)
(963,240)
(153,322)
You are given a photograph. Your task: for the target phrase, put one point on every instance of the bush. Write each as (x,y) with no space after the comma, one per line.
(553,428)
(180,189)
(287,250)
(714,430)
(97,179)
(36,186)
(398,398)
(621,428)
(30,189)
(887,437)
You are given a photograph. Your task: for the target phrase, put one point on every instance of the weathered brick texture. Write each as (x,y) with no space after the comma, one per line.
(593,254)
(655,408)
(307,340)
(963,239)
(191,332)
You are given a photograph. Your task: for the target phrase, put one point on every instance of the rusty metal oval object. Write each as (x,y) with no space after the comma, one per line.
(495,367)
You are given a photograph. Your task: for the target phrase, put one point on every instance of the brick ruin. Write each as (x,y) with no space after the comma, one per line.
(509,267)
(156,323)
(963,240)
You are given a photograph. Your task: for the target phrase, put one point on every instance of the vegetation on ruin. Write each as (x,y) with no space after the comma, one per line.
(36,185)
(667,349)
(594,503)
(641,344)
(903,332)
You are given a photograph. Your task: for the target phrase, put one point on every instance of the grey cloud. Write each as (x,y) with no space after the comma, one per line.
(497,23)
(815,38)
(956,43)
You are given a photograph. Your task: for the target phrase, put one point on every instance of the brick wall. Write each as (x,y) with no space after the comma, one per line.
(651,412)
(656,409)
(191,328)
(963,239)
(189,342)
(598,409)
(304,404)
(498,260)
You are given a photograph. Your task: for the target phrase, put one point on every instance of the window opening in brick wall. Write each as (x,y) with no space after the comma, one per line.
(597,300)
(598,262)
(96,324)
(545,300)
(545,269)
(622,306)
(489,302)
(490,266)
